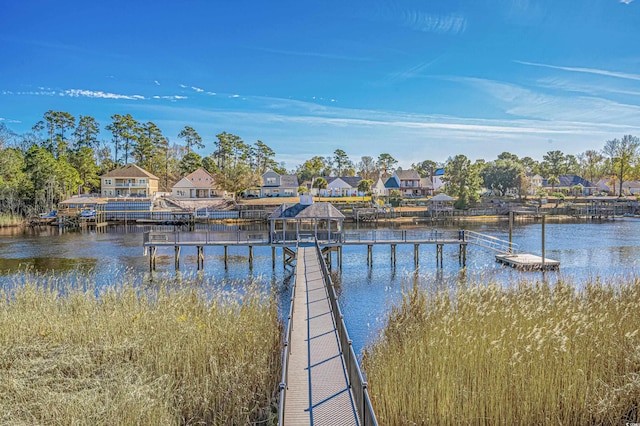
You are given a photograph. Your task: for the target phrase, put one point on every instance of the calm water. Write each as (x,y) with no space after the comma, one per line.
(585,250)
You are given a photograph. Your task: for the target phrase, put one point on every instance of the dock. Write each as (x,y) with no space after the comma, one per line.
(528,262)
(322,383)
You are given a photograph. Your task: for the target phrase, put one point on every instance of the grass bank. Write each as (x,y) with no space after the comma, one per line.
(7,219)
(128,355)
(534,354)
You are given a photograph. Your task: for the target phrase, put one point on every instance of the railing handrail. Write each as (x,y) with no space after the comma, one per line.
(286,351)
(491,243)
(356,379)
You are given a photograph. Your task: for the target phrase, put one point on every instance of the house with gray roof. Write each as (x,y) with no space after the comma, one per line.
(409,183)
(198,184)
(277,185)
(568,183)
(343,186)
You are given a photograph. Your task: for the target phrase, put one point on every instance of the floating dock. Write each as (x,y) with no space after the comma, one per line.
(528,262)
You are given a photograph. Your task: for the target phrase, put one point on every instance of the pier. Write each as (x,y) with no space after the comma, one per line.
(321,379)
(331,242)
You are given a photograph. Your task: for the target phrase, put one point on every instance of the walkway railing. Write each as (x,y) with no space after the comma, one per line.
(405,236)
(356,379)
(286,351)
(198,237)
(491,243)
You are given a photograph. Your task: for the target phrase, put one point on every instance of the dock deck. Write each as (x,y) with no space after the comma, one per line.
(528,262)
(318,392)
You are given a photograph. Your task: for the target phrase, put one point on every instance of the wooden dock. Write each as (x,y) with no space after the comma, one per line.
(528,262)
(318,392)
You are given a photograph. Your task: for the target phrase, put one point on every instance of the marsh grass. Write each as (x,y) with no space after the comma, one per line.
(530,354)
(7,219)
(163,354)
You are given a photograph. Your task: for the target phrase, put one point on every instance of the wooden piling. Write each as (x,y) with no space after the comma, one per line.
(177,257)
(393,255)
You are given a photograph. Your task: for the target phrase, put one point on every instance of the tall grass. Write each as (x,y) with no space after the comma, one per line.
(7,219)
(531,354)
(127,355)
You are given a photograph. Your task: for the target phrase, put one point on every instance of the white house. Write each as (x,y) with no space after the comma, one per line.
(343,186)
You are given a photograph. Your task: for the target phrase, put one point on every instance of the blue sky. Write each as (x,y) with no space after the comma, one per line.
(416,79)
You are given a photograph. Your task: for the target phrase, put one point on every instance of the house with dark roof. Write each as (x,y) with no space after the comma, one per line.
(128,181)
(568,183)
(198,184)
(343,186)
(277,185)
(409,183)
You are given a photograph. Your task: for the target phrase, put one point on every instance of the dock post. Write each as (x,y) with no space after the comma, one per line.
(439,255)
(250,257)
(177,257)
(152,258)
(393,255)
(340,257)
(416,254)
(273,257)
(226,257)
(510,232)
(462,255)
(200,253)
(369,255)
(543,216)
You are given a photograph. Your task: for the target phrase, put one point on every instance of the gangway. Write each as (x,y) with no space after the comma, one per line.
(321,382)
(508,254)
(490,243)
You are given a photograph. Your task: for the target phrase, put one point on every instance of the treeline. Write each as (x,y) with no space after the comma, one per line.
(62,155)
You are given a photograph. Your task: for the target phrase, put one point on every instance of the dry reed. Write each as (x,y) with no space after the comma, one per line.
(531,354)
(167,354)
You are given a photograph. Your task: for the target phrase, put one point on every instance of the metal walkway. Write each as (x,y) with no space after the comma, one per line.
(318,392)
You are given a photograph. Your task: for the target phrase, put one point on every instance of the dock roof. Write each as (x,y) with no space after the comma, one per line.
(321,210)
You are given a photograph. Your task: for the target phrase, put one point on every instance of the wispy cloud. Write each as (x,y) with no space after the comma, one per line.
(415,71)
(74,93)
(156,82)
(98,94)
(595,71)
(171,97)
(590,89)
(8,120)
(197,89)
(626,1)
(311,54)
(182,86)
(211,93)
(439,24)
(526,103)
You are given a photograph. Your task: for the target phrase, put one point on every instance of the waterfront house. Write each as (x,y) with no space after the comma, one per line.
(409,183)
(535,181)
(277,185)
(378,189)
(342,186)
(198,184)
(609,185)
(569,183)
(436,180)
(128,181)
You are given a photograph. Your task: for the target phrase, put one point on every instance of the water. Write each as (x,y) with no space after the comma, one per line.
(585,250)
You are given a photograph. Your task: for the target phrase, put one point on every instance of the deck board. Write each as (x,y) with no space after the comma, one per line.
(317,388)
